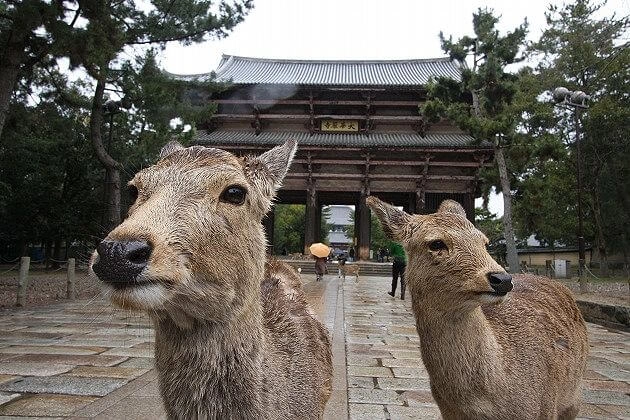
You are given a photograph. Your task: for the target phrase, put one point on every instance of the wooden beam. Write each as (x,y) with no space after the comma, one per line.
(315,102)
(305,175)
(392,162)
(306,117)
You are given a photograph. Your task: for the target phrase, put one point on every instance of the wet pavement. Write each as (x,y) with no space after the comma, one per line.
(88,360)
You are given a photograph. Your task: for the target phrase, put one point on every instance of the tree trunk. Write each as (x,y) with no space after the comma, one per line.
(9,70)
(47,254)
(601,240)
(56,252)
(111,188)
(508,230)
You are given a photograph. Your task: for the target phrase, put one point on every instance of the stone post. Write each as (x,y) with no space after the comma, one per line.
(25,263)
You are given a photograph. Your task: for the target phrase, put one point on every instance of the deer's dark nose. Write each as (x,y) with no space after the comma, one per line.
(119,263)
(500,282)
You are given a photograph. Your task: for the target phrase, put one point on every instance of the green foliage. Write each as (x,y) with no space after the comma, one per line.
(598,65)
(492,227)
(324,226)
(487,80)
(288,229)
(49,188)
(486,114)
(546,204)
(378,239)
(377,236)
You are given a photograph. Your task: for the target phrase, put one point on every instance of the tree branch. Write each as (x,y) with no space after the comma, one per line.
(171,39)
(76,16)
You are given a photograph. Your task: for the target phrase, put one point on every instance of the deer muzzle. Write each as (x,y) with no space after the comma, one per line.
(501,283)
(120,263)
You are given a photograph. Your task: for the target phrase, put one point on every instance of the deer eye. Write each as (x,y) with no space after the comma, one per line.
(234,194)
(437,245)
(132,192)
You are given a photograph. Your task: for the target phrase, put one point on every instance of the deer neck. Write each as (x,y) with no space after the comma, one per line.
(460,352)
(212,370)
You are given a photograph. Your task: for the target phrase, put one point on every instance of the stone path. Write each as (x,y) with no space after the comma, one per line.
(387,379)
(87,360)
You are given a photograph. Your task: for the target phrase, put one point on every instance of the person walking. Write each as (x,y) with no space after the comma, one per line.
(320,268)
(398,269)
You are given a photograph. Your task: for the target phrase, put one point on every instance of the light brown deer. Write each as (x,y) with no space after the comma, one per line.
(495,347)
(235,337)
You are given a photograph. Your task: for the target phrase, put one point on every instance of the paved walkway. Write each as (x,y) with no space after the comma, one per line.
(87,360)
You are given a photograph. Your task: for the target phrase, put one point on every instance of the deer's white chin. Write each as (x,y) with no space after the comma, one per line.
(139,297)
(491,298)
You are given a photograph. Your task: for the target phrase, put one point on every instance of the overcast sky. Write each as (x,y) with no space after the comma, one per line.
(357,29)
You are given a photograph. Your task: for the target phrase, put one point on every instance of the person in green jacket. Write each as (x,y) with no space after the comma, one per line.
(398,269)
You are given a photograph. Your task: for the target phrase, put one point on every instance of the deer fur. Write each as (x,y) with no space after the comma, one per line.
(234,335)
(349,269)
(518,356)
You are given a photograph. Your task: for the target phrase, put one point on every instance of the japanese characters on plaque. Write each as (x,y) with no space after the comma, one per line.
(340,125)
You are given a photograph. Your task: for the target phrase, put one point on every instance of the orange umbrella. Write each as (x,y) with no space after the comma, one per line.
(319,249)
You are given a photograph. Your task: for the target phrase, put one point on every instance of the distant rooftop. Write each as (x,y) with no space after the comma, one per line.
(414,72)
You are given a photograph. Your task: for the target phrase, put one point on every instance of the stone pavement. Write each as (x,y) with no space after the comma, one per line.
(87,360)
(386,377)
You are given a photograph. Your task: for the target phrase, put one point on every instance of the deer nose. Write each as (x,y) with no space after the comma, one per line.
(120,262)
(500,282)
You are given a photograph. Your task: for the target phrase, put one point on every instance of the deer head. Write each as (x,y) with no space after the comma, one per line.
(448,261)
(193,238)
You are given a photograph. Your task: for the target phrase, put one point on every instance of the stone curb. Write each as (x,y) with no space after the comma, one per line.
(615,316)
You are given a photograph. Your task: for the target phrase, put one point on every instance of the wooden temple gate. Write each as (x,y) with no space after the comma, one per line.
(359,132)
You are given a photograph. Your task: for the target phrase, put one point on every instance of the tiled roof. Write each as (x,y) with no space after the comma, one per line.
(349,140)
(247,70)
(338,238)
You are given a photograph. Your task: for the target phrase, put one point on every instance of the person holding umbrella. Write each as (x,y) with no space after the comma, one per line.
(320,252)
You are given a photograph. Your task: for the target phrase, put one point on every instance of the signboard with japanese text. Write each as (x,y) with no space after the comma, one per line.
(340,125)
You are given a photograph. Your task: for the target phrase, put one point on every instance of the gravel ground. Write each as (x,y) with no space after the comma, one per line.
(610,292)
(44,287)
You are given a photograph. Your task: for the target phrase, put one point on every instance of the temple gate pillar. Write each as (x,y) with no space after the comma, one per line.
(311,223)
(363,242)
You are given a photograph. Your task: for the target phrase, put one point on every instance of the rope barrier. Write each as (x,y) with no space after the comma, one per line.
(590,272)
(10,261)
(15,266)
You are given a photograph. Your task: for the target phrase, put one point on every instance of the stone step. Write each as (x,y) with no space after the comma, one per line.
(366,268)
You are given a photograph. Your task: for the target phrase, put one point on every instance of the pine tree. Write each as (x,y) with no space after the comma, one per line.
(479,103)
(104,45)
(598,64)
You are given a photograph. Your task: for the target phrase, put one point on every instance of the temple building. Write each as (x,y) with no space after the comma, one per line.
(360,133)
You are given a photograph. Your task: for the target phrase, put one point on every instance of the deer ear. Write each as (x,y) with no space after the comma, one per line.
(267,171)
(278,160)
(170,147)
(396,223)
(451,206)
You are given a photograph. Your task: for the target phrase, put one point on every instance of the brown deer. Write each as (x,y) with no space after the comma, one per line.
(234,335)
(495,346)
